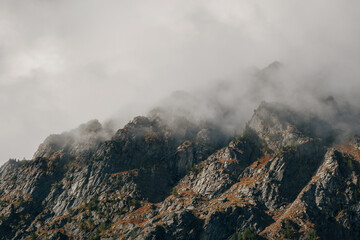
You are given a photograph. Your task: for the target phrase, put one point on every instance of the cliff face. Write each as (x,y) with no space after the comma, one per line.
(282,179)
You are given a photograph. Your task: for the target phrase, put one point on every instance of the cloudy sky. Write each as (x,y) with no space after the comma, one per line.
(64,62)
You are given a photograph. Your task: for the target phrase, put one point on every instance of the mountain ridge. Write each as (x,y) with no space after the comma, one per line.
(285,177)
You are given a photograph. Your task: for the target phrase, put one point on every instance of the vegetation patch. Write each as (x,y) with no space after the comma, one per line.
(247,234)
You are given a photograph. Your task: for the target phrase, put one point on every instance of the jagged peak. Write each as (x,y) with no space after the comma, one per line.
(77,141)
(91,126)
(280,125)
(274,65)
(141,120)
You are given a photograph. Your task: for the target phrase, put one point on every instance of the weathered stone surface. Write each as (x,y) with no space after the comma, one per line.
(155,180)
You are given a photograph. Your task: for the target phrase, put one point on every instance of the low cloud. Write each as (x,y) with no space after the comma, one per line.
(64,62)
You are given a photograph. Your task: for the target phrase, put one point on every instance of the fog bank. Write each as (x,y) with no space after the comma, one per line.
(63,63)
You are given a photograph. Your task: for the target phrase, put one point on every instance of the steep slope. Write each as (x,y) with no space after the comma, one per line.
(329,204)
(142,161)
(282,179)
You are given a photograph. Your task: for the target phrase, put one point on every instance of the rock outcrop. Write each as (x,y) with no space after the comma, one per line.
(284,178)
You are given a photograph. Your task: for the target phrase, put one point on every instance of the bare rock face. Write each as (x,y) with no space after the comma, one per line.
(77,143)
(282,179)
(328,204)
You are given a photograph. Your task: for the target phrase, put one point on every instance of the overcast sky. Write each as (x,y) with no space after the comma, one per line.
(64,62)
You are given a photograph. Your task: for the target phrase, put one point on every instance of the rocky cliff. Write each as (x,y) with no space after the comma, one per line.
(285,177)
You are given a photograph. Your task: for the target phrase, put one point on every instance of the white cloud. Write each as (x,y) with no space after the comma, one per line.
(65,62)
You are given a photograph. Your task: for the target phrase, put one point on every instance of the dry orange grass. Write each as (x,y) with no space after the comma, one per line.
(351,149)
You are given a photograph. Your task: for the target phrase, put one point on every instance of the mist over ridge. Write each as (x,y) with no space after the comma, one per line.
(179,120)
(63,63)
(227,106)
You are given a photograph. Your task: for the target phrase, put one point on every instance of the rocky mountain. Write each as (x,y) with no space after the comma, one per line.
(285,177)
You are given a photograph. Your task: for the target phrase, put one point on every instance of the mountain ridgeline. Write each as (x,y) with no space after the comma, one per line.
(288,176)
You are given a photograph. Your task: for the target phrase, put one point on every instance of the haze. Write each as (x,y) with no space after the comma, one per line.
(65,62)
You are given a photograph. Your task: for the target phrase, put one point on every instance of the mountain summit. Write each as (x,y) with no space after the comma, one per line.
(285,177)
